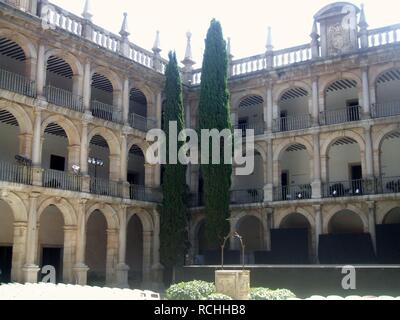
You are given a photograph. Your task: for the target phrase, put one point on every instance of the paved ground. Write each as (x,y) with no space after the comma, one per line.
(42,291)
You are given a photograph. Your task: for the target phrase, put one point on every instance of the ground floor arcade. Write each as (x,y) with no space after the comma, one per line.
(352,232)
(85,241)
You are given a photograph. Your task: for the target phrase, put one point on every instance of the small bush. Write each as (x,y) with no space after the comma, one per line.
(218,296)
(268,294)
(194,290)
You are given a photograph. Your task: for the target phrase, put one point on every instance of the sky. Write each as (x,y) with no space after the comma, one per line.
(245,22)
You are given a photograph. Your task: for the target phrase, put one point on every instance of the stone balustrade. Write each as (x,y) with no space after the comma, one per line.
(383,36)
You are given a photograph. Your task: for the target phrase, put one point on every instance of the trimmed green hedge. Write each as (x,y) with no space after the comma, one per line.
(268,294)
(201,290)
(194,290)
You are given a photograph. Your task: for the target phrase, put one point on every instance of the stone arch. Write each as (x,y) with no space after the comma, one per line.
(70,129)
(380,136)
(109,136)
(65,208)
(260,237)
(280,218)
(111,76)
(16,204)
(238,98)
(383,209)
(345,133)
(292,85)
(142,144)
(145,218)
(332,212)
(26,45)
(278,152)
(390,214)
(381,71)
(147,92)
(24,121)
(73,62)
(324,84)
(109,213)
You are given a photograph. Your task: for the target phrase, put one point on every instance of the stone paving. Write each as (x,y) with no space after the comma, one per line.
(43,291)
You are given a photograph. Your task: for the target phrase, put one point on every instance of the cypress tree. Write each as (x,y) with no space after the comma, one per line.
(173,211)
(214,113)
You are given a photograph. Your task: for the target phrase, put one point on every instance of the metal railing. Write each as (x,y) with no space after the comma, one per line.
(141,123)
(16,83)
(247,196)
(351,188)
(387,109)
(105,187)
(387,185)
(106,112)
(62,180)
(258,127)
(142,193)
(292,123)
(292,193)
(10,172)
(64,98)
(342,115)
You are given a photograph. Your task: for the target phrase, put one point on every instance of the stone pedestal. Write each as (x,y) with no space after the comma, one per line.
(122,276)
(31,273)
(233,283)
(80,274)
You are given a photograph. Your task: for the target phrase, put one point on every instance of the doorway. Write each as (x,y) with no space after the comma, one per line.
(53,257)
(356,179)
(353,113)
(5,264)
(285,184)
(57,163)
(284,125)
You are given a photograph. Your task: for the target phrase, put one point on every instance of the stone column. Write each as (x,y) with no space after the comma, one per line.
(157,268)
(115,167)
(73,156)
(31,269)
(149,175)
(369,157)
(315,102)
(269,108)
(69,253)
(125,101)
(269,188)
(80,269)
(19,247)
(365,93)
(147,241)
(316,184)
(112,256)
(87,86)
(233,244)
(122,267)
(25,145)
(159,110)
(77,84)
(124,158)
(37,135)
(269,226)
(318,229)
(41,71)
(84,149)
(372,222)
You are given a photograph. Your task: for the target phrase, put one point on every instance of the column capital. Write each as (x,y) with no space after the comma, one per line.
(34,195)
(317,207)
(70,228)
(371,205)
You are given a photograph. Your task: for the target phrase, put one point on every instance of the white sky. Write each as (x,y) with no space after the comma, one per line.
(245,22)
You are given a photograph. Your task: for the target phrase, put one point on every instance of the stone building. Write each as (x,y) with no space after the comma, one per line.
(76,102)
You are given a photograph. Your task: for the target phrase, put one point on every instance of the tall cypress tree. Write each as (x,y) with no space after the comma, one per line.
(214,113)
(173,209)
